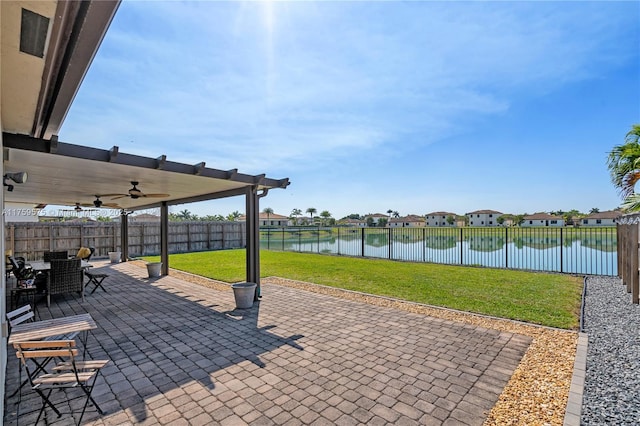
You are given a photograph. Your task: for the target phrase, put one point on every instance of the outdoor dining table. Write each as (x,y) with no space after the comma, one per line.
(63,326)
(41,266)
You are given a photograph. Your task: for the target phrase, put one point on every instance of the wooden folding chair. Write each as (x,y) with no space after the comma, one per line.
(68,374)
(20,315)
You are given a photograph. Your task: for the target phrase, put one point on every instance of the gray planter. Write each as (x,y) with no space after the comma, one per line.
(154,269)
(244,294)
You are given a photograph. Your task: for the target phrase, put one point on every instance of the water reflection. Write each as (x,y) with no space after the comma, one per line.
(538,243)
(574,250)
(440,242)
(485,243)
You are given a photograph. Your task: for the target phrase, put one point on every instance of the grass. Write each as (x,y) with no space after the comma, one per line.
(540,298)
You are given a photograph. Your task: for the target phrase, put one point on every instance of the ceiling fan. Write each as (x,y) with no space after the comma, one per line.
(98,203)
(134,193)
(78,208)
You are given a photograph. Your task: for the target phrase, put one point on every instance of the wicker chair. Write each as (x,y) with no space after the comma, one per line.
(50,255)
(65,276)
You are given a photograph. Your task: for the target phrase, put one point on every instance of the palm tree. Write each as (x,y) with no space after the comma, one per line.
(389,213)
(269,212)
(396,214)
(295,213)
(185,215)
(623,163)
(233,216)
(311,211)
(325,216)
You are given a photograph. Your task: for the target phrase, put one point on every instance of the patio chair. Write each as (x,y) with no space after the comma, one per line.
(65,276)
(96,279)
(69,374)
(26,280)
(25,314)
(48,256)
(20,315)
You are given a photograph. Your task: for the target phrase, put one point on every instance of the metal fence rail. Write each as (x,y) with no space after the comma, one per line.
(582,250)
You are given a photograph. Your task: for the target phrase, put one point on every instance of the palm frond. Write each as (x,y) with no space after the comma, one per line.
(631,203)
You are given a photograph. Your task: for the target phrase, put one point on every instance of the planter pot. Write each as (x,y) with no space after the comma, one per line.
(244,294)
(114,256)
(154,269)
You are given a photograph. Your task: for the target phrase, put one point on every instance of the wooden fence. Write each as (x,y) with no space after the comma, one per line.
(31,240)
(628,262)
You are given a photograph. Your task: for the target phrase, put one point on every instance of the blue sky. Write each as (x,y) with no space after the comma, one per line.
(370,106)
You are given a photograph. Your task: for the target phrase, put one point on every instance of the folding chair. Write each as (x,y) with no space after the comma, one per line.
(25,314)
(68,374)
(96,280)
(19,316)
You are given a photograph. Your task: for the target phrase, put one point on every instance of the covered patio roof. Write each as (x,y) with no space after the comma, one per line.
(65,174)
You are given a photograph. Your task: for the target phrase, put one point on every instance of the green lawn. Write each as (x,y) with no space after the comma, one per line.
(540,298)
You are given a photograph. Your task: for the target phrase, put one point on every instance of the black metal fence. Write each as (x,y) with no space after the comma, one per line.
(583,250)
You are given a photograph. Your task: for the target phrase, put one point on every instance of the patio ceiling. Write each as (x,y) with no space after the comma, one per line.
(65,174)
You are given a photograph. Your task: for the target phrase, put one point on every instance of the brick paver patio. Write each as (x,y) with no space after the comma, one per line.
(181,354)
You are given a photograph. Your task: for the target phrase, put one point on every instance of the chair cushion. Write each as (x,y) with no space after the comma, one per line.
(83,253)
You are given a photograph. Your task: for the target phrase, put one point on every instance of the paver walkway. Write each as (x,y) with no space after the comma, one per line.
(181,354)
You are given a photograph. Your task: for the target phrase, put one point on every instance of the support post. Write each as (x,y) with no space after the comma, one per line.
(164,238)
(253,238)
(124,236)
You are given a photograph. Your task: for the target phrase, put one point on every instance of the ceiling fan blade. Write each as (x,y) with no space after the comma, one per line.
(118,196)
(155,195)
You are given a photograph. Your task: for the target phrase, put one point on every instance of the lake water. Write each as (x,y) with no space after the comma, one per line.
(572,251)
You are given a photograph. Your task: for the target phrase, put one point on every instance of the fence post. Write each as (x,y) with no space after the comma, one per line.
(619,249)
(50,237)
(506,247)
(625,249)
(461,249)
(561,246)
(389,254)
(635,278)
(362,242)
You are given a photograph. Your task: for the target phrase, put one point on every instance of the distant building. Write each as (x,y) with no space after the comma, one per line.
(144,217)
(376,218)
(542,219)
(357,223)
(607,218)
(271,219)
(409,221)
(483,218)
(440,219)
